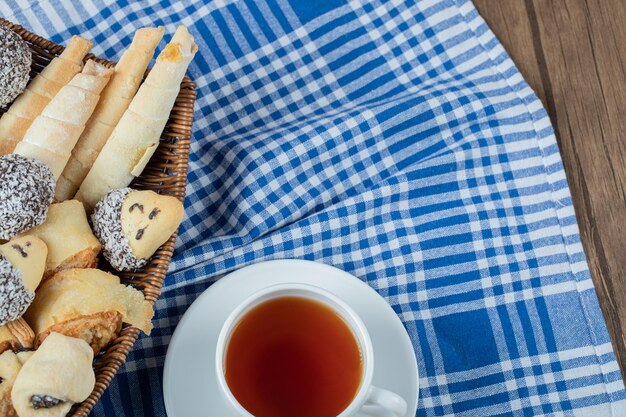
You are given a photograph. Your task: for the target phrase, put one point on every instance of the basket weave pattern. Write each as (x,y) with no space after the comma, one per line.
(166,173)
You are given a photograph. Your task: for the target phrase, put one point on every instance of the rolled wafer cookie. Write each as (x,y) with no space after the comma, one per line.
(53,134)
(136,136)
(114,101)
(16,121)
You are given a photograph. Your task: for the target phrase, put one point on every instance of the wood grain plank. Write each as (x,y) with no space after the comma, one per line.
(581,41)
(580,75)
(510,21)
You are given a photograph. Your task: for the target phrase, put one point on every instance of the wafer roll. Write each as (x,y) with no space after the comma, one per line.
(136,136)
(53,134)
(114,101)
(16,121)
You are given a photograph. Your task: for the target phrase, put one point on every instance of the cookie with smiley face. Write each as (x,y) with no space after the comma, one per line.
(131,225)
(22,262)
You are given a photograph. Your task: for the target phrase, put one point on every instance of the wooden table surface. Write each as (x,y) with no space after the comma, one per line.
(573,54)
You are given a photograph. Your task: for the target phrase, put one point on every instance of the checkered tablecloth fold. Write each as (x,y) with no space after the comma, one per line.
(395,140)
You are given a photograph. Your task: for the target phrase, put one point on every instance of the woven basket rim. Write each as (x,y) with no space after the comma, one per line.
(166,173)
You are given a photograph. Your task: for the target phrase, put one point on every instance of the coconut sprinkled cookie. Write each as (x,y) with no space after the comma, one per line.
(131,225)
(15,61)
(26,192)
(22,262)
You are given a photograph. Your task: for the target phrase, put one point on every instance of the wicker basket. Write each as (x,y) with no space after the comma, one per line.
(166,173)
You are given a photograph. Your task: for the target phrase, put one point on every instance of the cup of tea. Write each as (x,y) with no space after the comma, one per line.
(298,350)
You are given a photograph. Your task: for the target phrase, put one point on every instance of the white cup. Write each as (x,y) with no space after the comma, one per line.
(368,401)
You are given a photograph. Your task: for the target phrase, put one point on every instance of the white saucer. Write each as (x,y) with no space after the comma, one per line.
(189,383)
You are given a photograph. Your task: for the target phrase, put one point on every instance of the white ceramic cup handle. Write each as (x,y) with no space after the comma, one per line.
(383,403)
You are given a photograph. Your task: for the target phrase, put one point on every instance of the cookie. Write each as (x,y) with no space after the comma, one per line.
(89,304)
(56,376)
(69,239)
(27,254)
(9,368)
(17,336)
(131,225)
(26,192)
(21,268)
(15,62)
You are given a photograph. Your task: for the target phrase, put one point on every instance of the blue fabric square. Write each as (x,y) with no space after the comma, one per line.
(576,333)
(466,340)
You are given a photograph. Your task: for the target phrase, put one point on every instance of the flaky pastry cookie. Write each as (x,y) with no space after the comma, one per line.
(66,232)
(88,304)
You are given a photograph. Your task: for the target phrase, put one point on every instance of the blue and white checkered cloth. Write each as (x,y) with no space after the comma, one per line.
(395,140)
